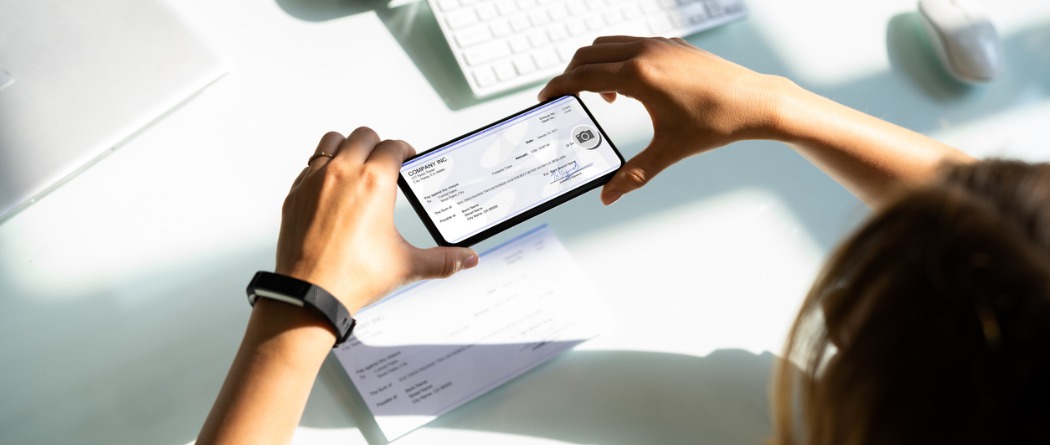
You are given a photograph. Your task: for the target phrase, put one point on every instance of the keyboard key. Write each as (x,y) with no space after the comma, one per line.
(678,19)
(519,23)
(630,29)
(576,8)
(595,23)
(448,5)
(568,49)
(460,19)
(649,6)
(500,28)
(468,2)
(558,12)
(505,70)
(486,52)
(538,37)
(486,12)
(484,76)
(659,24)
(525,5)
(631,11)
(577,28)
(519,43)
(506,7)
(684,16)
(545,58)
(714,9)
(538,18)
(557,32)
(694,10)
(524,64)
(472,36)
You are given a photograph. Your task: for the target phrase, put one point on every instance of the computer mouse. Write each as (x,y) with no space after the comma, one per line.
(964,38)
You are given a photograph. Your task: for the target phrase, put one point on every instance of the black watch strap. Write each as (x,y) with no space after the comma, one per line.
(301,293)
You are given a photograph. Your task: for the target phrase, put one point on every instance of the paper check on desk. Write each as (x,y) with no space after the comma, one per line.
(432,347)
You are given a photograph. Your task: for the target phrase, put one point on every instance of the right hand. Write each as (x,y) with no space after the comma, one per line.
(696,100)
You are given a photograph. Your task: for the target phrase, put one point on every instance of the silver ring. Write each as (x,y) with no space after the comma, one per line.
(327,155)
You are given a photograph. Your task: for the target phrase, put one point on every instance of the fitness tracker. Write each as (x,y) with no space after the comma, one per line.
(301,293)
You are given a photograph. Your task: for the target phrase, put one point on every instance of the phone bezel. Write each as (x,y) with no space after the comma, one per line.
(524,216)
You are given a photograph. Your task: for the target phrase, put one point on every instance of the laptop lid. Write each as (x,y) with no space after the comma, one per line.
(79,78)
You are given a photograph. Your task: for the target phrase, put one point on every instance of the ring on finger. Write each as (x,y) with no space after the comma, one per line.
(317,155)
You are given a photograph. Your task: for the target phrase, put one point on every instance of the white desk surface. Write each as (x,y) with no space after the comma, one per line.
(123,291)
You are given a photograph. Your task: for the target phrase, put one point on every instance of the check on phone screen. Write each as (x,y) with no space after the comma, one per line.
(486,181)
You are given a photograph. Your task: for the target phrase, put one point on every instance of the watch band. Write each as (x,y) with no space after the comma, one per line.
(301,293)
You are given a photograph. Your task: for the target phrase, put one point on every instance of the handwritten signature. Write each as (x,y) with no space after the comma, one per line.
(567,171)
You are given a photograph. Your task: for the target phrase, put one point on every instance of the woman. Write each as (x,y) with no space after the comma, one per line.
(930,325)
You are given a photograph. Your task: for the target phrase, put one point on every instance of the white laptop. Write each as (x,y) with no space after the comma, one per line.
(80,77)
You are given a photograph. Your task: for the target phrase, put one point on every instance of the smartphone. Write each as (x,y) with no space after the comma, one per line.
(493,178)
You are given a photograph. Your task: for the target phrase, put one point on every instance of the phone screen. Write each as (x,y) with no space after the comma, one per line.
(488,180)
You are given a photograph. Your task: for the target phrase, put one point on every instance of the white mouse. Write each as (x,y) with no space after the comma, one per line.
(964,38)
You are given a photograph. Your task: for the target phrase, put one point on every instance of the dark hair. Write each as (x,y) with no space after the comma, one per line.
(931,324)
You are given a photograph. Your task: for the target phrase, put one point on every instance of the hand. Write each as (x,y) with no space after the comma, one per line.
(696,100)
(338,232)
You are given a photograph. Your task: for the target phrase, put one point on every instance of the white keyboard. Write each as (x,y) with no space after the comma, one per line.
(504,44)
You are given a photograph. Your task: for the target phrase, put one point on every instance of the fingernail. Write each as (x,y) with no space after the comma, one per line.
(470,261)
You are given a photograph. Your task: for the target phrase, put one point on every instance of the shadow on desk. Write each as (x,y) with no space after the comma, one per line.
(607,397)
(416,30)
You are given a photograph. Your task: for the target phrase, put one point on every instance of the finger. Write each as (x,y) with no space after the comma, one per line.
(389,155)
(599,78)
(636,173)
(603,53)
(609,97)
(442,262)
(680,41)
(328,145)
(299,179)
(617,39)
(402,150)
(358,145)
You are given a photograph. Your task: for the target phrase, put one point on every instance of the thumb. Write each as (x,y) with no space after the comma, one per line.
(442,262)
(637,172)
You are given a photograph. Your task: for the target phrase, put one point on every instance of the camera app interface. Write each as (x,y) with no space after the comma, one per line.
(479,181)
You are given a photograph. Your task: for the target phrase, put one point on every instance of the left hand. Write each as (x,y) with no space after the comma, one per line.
(337,229)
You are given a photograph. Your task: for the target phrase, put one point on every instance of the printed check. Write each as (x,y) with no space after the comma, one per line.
(434,346)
